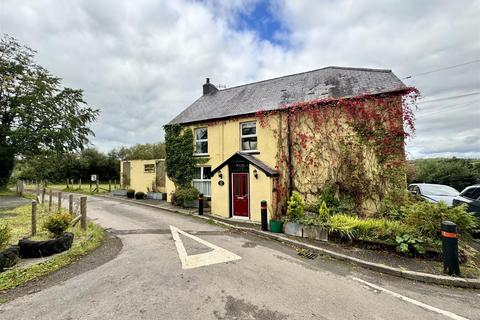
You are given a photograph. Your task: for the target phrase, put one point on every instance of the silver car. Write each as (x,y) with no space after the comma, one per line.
(434,192)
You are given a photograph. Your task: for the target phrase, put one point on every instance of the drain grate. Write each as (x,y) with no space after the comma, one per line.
(306,254)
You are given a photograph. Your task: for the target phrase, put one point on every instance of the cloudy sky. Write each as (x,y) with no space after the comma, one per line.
(141,62)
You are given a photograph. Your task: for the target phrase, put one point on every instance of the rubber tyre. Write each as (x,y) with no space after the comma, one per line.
(9,257)
(37,249)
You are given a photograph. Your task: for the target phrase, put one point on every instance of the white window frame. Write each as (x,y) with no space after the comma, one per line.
(242,136)
(200,140)
(201,180)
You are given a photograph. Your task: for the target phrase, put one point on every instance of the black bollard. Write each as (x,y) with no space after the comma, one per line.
(200,204)
(263,212)
(450,248)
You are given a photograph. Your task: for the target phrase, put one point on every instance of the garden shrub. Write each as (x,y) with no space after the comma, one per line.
(296,208)
(342,204)
(354,228)
(139,195)
(323,212)
(426,218)
(409,244)
(184,194)
(5,236)
(58,223)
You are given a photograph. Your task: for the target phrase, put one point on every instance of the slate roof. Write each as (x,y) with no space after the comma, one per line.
(270,172)
(329,82)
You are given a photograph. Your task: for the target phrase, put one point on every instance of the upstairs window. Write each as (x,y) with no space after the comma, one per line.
(201,141)
(248,136)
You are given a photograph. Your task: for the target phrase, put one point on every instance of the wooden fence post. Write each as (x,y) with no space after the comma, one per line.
(109,185)
(20,187)
(70,204)
(115,184)
(79,184)
(83,213)
(43,196)
(34,218)
(90,186)
(50,195)
(97,184)
(59,201)
(67,182)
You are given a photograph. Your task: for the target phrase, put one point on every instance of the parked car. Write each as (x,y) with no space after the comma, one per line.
(470,196)
(434,192)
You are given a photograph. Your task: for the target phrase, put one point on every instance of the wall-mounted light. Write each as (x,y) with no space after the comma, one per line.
(220,175)
(255,173)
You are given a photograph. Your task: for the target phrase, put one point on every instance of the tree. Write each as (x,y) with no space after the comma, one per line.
(36,113)
(454,172)
(145,151)
(180,163)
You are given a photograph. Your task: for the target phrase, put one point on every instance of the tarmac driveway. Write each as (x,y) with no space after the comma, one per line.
(204,271)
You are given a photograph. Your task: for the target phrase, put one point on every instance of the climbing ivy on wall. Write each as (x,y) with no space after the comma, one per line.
(353,145)
(180,163)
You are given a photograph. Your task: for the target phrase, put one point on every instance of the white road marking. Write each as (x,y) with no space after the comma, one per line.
(413,301)
(218,255)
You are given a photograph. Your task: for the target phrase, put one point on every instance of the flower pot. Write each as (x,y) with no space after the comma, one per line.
(293,229)
(315,233)
(276,226)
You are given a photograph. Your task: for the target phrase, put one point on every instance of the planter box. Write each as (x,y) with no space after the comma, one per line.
(119,192)
(315,233)
(293,229)
(157,195)
(190,204)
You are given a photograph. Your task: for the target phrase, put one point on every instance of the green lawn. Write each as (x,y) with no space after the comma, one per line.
(19,221)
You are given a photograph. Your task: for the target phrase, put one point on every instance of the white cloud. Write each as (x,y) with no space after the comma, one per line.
(142,62)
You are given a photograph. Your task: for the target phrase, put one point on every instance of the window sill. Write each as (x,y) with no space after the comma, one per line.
(250,151)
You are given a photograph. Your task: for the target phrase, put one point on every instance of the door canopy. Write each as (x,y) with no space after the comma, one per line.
(245,157)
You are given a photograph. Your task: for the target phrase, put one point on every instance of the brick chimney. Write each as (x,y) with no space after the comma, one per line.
(209,88)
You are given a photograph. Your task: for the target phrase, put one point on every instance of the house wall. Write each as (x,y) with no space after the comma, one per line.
(308,177)
(223,142)
(334,153)
(139,179)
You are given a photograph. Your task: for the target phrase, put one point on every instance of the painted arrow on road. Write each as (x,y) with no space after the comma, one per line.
(217,255)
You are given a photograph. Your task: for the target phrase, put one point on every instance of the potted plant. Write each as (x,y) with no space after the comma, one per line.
(295,214)
(314,226)
(276,223)
(139,195)
(130,193)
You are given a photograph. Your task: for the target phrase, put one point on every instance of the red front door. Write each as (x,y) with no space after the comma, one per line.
(240,194)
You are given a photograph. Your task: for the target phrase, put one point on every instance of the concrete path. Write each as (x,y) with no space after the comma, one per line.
(268,281)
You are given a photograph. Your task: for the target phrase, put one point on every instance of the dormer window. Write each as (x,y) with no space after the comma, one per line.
(201,141)
(248,136)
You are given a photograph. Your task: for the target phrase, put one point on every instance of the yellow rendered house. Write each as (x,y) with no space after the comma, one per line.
(143,175)
(244,131)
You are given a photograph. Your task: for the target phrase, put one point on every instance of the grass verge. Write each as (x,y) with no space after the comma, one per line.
(19,220)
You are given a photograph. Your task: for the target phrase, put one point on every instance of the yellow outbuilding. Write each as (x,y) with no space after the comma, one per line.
(143,175)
